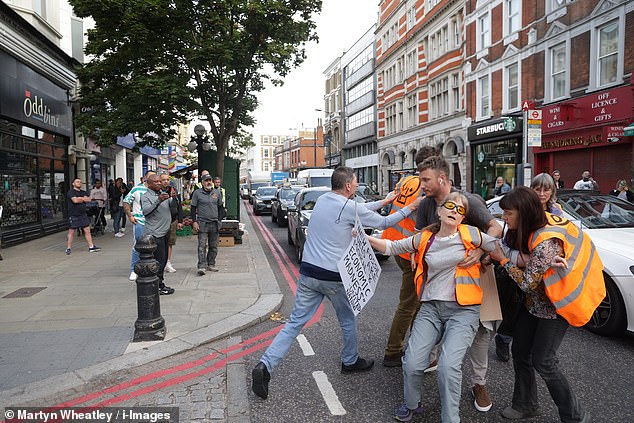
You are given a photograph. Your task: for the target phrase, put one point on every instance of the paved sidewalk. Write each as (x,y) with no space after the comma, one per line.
(76,319)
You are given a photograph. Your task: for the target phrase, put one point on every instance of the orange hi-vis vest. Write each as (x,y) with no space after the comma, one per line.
(408,189)
(468,290)
(575,292)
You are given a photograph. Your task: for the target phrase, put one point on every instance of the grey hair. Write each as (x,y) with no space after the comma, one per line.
(544,180)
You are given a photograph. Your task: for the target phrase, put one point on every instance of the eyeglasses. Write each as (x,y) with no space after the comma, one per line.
(450,205)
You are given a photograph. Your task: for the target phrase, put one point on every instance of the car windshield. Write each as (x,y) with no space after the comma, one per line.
(598,211)
(288,194)
(270,191)
(310,198)
(366,190)
(256,185)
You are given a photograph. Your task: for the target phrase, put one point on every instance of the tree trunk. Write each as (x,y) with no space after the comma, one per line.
(220,159)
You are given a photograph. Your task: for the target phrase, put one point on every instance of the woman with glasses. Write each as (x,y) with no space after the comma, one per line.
(450,303)
(544,186)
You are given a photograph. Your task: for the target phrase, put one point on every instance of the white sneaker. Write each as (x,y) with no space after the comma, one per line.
(119,234)
(122,229)
(133,276)
(169,268)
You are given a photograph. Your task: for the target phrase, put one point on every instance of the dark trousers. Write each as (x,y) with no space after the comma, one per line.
(535,345)
(408,305)
(160,255)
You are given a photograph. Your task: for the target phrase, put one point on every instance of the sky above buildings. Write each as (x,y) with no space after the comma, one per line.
(290,107)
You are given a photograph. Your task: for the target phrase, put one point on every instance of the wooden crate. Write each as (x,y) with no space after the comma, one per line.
(226,241)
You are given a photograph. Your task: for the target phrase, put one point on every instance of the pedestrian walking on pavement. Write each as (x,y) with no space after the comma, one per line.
(406,191)
(330,233)
(77,217)
(450,298)
(204,212)
(434,175)
(132,208)
(116,194)
(176,209)
(158,218)
(100,195)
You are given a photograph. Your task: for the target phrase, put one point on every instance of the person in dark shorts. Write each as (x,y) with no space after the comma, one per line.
(77,217)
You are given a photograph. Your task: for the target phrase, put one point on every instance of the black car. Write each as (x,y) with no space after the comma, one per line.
(262,200)
(281,203)
(299,216)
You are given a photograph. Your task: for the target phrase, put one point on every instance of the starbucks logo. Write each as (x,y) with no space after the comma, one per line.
(509,124)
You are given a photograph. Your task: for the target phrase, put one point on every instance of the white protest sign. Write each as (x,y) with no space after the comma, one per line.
(359,269)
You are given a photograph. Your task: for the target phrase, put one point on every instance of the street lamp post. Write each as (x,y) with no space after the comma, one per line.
(200,144)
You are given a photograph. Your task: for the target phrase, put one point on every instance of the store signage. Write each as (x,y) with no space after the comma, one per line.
(613,133)
(494,128)
(572,141)
(30,98)
(528,104)
(591,110)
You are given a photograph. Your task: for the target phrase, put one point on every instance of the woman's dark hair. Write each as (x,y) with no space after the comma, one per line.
(531,216)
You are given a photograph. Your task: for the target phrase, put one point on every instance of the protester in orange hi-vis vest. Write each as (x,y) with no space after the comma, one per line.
(406,190)
(555,297)
(450,298)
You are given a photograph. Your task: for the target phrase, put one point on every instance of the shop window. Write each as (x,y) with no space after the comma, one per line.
(18,195)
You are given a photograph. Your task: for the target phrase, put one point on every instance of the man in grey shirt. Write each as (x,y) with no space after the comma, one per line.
(330,233)
(204,206)
(158,219)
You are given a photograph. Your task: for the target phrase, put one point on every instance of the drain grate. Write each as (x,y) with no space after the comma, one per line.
(25,292)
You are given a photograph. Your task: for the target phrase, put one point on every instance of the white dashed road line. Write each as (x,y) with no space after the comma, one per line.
(330,397)
(305,345)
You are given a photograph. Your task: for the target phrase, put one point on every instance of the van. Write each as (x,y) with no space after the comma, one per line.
(315,178)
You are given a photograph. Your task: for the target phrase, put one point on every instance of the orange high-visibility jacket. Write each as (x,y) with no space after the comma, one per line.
(408,189)
(575,292)
(468,290)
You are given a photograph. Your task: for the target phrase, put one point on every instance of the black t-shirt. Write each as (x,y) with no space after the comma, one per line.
(477,216)
(76,209)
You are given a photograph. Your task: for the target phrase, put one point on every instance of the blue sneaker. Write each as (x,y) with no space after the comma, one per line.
(404,414)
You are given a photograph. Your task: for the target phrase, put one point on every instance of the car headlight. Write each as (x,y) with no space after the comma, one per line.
(255,201)
(283,206)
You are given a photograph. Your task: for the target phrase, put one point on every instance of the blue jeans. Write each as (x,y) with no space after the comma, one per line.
(207,234)
(535,345)
(138,230)
(310,293)
(459,325)
(116,219)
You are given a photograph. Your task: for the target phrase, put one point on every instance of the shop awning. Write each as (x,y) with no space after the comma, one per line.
(628,131)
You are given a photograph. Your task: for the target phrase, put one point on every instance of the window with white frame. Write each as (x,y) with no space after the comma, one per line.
(361,118)
(412,110)
(456,30)
(411,17)
(361,89)
(483,97)
(429,4)
(266,166)
(556,4)
(400,124)
(455,92)
(274,140)
(512,87)
(513,16)
(439,98)
(265,140)
(607,53)
(390,119)
(558,71)
(412,62)
(483,32)
(266,153)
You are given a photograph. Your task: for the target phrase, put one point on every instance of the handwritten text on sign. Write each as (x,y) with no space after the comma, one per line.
(359,269)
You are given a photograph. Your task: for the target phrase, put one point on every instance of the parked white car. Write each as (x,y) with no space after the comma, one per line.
(610,223)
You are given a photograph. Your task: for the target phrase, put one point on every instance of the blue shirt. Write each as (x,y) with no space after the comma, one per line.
(330,228)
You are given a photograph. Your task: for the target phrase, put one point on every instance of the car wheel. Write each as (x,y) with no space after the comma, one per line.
(609,318)
(288,237)
(273,217)
(300,252)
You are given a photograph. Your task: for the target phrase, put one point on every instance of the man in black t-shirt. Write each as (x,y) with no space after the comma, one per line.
(77,199)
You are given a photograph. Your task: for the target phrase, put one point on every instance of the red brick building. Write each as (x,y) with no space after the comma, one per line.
(567,58)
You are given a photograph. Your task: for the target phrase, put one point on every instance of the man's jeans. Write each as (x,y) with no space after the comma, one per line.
(116,219)
(138,230)
(459,325)
(535,345)
(207,234)
(310,293)
(405,311)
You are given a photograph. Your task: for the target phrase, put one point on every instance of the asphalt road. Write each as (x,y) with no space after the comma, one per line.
(601,370)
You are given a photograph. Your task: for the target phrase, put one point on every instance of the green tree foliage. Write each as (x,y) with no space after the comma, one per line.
(155,63)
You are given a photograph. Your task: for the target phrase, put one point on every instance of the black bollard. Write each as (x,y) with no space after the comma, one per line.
(150,325)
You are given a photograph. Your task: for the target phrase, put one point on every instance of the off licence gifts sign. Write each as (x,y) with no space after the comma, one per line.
(359,269)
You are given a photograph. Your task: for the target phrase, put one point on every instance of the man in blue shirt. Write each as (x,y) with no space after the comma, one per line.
(330,233)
